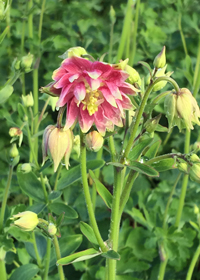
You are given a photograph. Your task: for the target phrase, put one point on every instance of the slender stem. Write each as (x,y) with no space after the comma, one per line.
(44,188)
(36,250)
(3,270)
(132,56)
(162,269)
(31,145)
(58,256)
(47,260)
(41,20)
(42,113)
(96,172)
(5,197)
(141,110)
(35,108)
(125,29)
(197,66)
(169,201)
(127,189)
(193,263)
(57,177)
(112,148)
(60,116)
(182,35)
(115,221)
(159,97)
(30,19)
(88,197)
(111,43)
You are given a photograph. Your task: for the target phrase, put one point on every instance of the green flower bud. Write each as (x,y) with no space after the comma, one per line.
(26,168)
(170,108)
(52,230)
(26,62)
(121,65)
(27,220)
(28,100)
(196,147)
(182,166)
(194,158)
(15,131)
(151,124)
(14,151)
(195,172)
(160,59)
(134,76)
(94,141)
(196,209)
(112,15)
(159,73)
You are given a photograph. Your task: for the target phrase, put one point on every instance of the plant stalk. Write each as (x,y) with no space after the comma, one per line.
(58,256)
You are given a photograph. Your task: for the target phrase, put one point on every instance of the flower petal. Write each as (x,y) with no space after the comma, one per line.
(85,120)
(108,96)
(79,91)
(72,113)
(114,90)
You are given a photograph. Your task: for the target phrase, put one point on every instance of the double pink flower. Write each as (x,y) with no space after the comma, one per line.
(95,93)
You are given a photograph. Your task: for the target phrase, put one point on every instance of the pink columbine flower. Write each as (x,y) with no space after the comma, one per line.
(95,93)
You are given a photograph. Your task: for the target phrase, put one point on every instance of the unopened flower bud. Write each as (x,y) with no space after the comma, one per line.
(194,158)
(112,15)
(27,220)
(26,62)
(150,125)
(195,172)
(182,166)
(15,131)
(196,147)
(161,72)
(26,167)
(75,51)
(170,108)
(14,151)
(28,100)
(52,230)
(121,65)
(160,59)
(134,76)
(94,141)
(57,143)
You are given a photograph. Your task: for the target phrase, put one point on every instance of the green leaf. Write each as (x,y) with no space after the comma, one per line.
(25,272)
(80,256)
(143,168)
(116,164)
(102,190)
(163,165)
(5,93)
(139,148)
(36,207)
(30,185)
(21,110)
(111,255)
(138,217)
(89,234)
(19,234)
(152,151)
(195,226)
(58,208)
(41,246)
(54,195)
(74,174)
(3,34)
(161,128)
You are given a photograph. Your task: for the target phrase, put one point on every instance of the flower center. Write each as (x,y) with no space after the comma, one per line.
(91,101)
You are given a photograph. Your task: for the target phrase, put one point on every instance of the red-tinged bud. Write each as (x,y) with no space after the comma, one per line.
(15,131)
(94,141)
(160,59)
(27,220)
(52,230)
(57,143)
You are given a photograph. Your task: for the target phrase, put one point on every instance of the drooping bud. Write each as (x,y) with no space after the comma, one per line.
(94,141)
(52,230)
(14,151)
(182,166)
(134,76)
(26,62)
(49,89)
(57,143)
(194,158)
(27,220)
(195,172)
(150,125)
(28,100)
(160,59)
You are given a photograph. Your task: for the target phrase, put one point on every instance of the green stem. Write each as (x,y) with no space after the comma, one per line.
(31,145)
(58,256)
(35,108)
(36,250)
(96,172)
(132,56)
(125,29)
(5,198)
(57,177)
(41,20)
(42,113)
(127,189)
(60,116)
(193,263)
(141,110)
(44,188)
(47,260)
(88,197)
(112,148)
(169,201)
(3,270)
(182,35)
(159,97)
(162,269)
(30,20)
(111,43)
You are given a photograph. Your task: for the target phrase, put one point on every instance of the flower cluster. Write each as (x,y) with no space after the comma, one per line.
(95,93)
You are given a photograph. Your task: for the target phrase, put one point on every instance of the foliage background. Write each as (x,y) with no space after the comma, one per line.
(87,24)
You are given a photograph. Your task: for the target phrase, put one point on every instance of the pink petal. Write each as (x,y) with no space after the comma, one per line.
(94,74)
(58,73)
(114,90)
(79,91)
(112,114)
(127,89)
(65,96)
(76,64)
(72,113)
(64,80)
(126,103)
(85,120)
(74,77)
(94,84)
(108,96)
(103,67)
